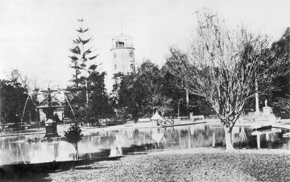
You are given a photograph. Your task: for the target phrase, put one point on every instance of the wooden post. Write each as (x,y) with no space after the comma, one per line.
(189,138)
(257,97)
(267,136)
(258,141)
(55,149)
(213,139)
(179,136)
(144,139)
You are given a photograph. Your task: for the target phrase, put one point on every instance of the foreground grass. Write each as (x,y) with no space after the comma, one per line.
(212,166)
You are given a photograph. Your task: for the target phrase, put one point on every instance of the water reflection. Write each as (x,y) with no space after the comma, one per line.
(158,136)
(129,141)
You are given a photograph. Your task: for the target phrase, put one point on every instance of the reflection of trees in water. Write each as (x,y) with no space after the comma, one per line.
(195,137)
(206,132)
(14,151)
(158,137)
(240,137)
(201,138)
(139,137)
(188,136)
(175,137)
(171,136)
(271,140)
(107,141)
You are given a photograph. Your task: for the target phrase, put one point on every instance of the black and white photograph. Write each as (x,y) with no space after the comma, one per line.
(144,90)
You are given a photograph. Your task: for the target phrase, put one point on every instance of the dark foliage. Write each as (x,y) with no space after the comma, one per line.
(13,97)
(73,135)
(80,56)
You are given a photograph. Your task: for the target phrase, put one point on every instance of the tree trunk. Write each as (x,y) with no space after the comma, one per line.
(228,138)
(77,152)
(257,97)
(187,101)
(178,109)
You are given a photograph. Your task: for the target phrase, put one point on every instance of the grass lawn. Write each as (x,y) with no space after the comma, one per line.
(193,165)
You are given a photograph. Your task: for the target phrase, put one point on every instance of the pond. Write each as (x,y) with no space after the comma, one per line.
(132,141)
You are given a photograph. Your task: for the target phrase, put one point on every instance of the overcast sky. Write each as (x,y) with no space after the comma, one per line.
(35,35)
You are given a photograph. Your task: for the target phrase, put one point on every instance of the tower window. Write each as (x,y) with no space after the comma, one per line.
(120,44)
(132,67)
(115,67)
(131,54)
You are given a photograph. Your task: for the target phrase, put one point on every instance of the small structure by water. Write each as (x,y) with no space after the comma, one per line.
(48,107)
(156,119)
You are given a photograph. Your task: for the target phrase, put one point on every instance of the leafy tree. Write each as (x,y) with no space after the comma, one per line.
(174,89)
(74,135)
(147,85)
(279,98)
(222,65)
(173,94)
(138,94)
(99,104)
(14,97)
(125,98)
(12,101)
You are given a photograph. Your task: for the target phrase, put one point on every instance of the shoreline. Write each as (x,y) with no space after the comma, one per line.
(142,125)
(208,150)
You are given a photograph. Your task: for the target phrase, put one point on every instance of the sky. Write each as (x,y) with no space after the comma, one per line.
(35,36)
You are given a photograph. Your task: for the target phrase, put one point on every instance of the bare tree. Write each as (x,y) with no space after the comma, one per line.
(19,78)
(223,65)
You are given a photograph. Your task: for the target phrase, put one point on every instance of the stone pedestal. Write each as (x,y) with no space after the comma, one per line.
(191,117)
(51,128)
(267,111)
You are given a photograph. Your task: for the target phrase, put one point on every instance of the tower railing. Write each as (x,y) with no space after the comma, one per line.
(116,46)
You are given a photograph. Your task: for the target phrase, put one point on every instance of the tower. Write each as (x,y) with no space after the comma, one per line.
(123,54)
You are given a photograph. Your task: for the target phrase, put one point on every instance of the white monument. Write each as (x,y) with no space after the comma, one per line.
(267,110)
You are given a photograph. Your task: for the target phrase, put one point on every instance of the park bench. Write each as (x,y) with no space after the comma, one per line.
(141,120)
(212,117)
(66,120)
(103,122)
(182,117)
(167,122)
(198,117)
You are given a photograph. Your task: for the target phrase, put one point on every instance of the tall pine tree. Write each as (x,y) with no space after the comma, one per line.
(80,61)
(89,94)
(81,55)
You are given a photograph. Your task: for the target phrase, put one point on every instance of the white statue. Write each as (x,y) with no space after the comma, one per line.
(266,103)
